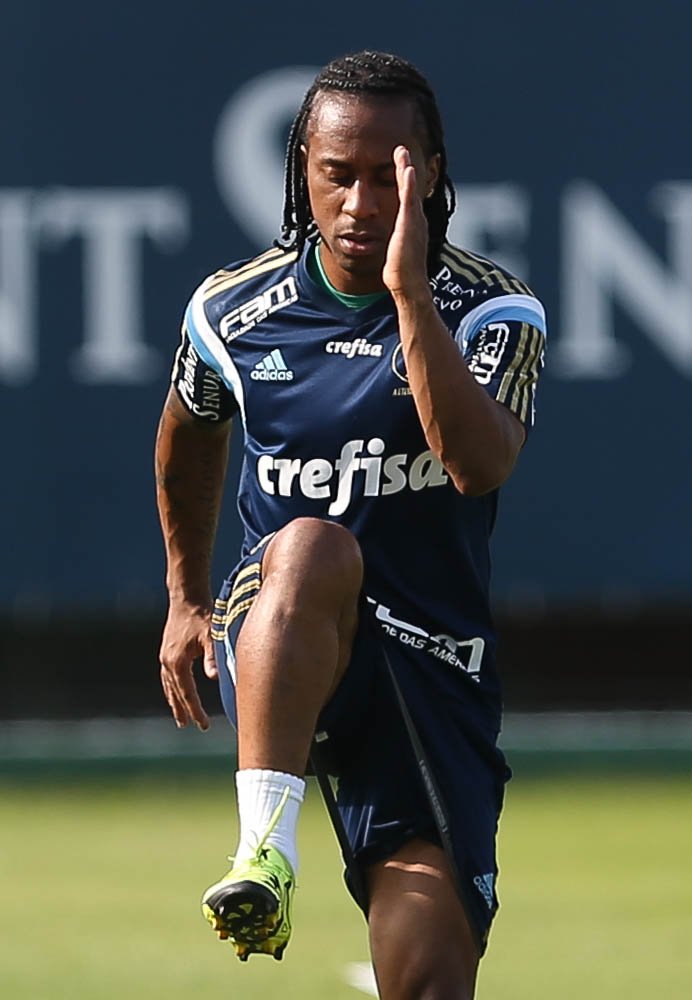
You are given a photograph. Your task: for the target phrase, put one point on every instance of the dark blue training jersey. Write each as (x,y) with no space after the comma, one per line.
(331,429)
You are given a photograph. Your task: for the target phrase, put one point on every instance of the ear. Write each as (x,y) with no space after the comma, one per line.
(432,174)
(304,159)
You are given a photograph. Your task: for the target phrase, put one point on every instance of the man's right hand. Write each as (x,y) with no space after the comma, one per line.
(190,462)
(186,638)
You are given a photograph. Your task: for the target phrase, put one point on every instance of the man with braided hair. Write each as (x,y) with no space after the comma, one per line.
(385,382)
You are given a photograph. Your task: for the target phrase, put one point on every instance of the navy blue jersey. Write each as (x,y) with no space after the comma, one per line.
(331,430)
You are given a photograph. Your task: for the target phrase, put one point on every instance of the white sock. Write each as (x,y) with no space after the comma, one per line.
(259,794)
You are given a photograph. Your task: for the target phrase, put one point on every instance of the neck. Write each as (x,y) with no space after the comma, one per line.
(353,301)
(341,282)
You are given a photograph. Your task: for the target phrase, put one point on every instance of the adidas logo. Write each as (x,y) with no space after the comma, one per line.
(272,368)
(484,884)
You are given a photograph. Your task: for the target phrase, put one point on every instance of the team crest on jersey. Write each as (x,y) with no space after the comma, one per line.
(398,364)
(249,314)
(399,369)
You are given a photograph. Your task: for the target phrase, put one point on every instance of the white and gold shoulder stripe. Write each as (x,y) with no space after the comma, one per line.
(205,339)
(502,308)
(211,348)
(477,270)
(517,388)
(221,281)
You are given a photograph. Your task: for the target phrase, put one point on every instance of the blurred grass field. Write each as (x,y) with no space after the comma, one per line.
(101,882)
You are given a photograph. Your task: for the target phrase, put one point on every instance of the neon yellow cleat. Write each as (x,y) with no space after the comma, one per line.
(251,905)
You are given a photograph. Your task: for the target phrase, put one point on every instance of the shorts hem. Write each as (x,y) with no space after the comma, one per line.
(371,855)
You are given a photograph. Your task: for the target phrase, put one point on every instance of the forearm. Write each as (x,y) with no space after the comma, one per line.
(474,437)
(190,459)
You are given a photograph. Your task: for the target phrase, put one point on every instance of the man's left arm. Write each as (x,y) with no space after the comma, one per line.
(476,438)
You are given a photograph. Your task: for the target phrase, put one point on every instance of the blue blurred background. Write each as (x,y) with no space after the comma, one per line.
(142,147)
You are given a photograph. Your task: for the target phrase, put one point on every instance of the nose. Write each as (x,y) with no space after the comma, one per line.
(361,202)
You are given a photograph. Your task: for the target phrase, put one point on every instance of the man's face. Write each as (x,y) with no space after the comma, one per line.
(351,181)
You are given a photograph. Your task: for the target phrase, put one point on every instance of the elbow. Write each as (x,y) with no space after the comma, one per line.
(478,464)
(480,479)
(475,486)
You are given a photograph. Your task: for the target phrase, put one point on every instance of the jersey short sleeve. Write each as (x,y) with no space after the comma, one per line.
(506,358)
(201,389)
(503,344)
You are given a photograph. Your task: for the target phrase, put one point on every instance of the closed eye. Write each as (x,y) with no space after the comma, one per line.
(387,180)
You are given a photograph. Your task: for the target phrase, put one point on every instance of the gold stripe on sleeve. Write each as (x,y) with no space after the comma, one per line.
(222,275)
(463,258)
(536,367)
(526,377)
(513,366)
(522,288)
(447,258)
(234,279)
(487,271)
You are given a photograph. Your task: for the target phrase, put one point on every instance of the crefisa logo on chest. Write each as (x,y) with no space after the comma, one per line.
(357,348)
(363,468)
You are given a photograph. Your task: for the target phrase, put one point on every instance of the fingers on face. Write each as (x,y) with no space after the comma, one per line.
(407,181)
(402,161)
(402,157)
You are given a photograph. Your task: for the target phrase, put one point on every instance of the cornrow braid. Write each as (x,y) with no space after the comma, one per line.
(382,75)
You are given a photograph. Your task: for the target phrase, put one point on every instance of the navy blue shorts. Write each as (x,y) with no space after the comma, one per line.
(381,796)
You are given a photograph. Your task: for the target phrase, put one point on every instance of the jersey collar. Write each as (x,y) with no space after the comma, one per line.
(327,303)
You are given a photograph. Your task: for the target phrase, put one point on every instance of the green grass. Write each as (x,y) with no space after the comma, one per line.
(100,889)
(597,895)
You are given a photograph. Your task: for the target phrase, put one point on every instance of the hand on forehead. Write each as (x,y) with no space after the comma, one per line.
(366,119)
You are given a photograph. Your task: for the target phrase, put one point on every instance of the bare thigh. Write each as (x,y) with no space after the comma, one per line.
(422,944)
(295,642)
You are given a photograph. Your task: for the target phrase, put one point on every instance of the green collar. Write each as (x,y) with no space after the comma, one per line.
(317,273)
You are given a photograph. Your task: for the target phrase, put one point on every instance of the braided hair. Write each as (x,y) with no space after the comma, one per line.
(377,74)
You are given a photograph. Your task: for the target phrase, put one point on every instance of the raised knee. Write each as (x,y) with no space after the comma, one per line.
(308,551)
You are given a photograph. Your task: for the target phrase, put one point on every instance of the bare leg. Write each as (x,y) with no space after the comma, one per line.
(295,644)
(420,938)
(292,651)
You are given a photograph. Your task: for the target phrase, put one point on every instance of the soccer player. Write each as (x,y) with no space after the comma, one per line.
(384,382)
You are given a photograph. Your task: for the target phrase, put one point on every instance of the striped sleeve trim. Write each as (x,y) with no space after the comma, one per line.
(504,308)
(176,360)
(224,281)
(476,269)
(210,348)
(220,278)
(517,387)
